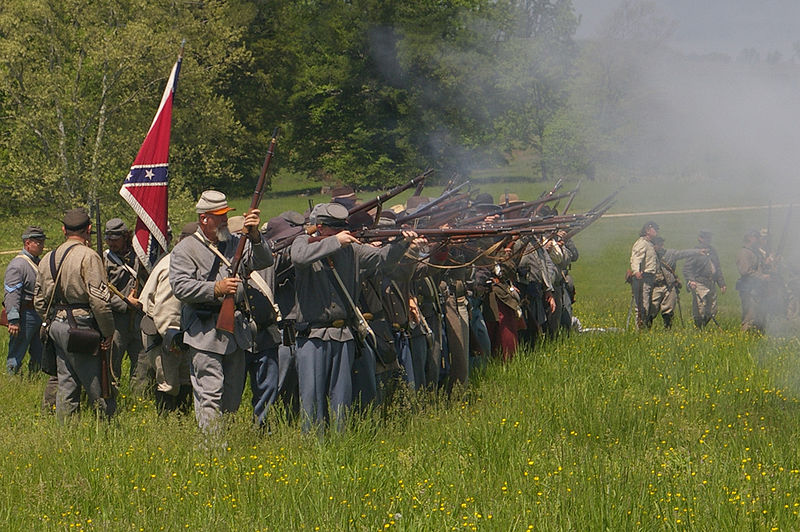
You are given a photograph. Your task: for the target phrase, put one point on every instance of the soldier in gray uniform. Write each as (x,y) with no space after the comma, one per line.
(23,322)
(200,280)
(644,263)
(667,285)
(325,343)
(536,274)
(128,276)
(703,274)
(752,285)
(80,300)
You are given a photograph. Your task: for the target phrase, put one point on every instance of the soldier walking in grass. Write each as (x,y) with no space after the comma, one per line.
(644,264)
(703,275)
(21,318)
(752,283)
(667,286)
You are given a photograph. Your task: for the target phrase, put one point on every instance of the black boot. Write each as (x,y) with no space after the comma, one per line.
(184,399)
(667,320)
(165,403)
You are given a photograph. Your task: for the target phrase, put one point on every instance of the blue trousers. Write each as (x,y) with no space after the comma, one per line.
(26,340)
(263,370)
(324,371)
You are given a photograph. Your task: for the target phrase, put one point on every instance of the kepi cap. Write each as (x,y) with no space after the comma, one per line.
(115,228)
(330,214)
(33,231)
(75,219)
(212,202)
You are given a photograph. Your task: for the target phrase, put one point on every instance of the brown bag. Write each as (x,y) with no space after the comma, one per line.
(83,340)
(4,318)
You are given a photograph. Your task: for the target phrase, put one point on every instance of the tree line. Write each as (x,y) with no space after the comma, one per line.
(365,92)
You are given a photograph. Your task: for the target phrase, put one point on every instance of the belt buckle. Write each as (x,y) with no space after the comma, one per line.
(368,316)
(337,323)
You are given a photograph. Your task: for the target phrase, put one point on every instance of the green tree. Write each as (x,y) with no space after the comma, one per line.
(82,80)
(537,63)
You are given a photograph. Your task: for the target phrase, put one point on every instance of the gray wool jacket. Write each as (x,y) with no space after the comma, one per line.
(320,300)
(190,276)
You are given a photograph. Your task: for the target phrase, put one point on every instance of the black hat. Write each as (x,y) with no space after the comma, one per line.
(343,192)
(359,220)
(387,219)
(33,231)
(75,219)
(647,226)
(482,198)
(293,217)
(115,228)
(278,228)
(705,234)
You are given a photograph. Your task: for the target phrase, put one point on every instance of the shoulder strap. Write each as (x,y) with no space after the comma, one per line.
(28,259)
(219,257)
(55,273)
(116,259)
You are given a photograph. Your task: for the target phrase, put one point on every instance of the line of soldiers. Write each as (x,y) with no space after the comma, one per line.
(323,320)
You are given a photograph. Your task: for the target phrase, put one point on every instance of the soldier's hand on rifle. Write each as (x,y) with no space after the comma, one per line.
(418,243)
(692,285)
(638,275)
(345,238)
(252,221)
(105,343)
(133,299)
(409,236)
(226,286)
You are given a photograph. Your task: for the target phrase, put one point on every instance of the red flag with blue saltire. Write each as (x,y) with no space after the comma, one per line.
(145,187)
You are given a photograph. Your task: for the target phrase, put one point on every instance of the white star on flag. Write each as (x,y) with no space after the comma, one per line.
(149,174)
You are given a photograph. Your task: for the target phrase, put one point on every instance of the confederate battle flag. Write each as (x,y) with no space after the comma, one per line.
(145,187)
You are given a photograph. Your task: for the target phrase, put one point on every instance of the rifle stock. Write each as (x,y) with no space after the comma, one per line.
(225,321)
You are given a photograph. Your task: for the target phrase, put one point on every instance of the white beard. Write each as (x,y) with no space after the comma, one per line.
(223,235)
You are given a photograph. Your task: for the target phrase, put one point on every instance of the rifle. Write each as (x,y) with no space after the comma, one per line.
(769,229)
(527,206)
(225,321)
(465,233)
(423,210)
(572,197)
(552,191)
(784,233)
(105,382)
(379,200)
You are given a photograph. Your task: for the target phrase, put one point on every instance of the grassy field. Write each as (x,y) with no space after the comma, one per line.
(616,430)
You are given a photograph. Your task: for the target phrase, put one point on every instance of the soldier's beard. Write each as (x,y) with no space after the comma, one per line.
(223,234)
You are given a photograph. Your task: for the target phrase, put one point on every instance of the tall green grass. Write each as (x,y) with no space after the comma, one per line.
(609,430)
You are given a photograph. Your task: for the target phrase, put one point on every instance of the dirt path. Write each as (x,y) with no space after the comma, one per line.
(695,211)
